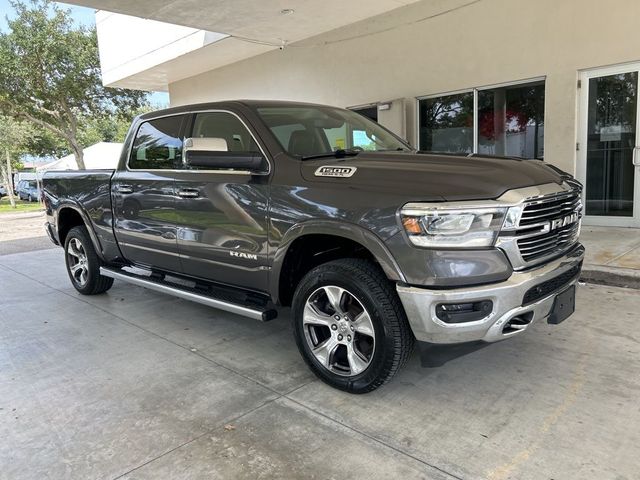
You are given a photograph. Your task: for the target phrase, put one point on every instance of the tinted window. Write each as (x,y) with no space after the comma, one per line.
(158,145)
(369,112)
(511,120)
(446,124)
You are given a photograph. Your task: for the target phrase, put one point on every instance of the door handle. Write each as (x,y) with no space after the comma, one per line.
(122,188)
(188,193)
(636,156)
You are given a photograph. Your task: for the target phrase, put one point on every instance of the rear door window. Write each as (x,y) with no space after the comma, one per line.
(158,145)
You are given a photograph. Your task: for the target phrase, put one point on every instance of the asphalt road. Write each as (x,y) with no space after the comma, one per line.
(134,384)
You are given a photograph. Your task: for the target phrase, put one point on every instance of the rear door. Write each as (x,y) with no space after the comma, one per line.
(222,213)
(144,201)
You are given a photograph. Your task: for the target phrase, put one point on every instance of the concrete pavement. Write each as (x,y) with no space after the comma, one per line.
(613,256)
(22,232)
(134,384)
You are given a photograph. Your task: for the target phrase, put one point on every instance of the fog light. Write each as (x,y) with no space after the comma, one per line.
(463,312)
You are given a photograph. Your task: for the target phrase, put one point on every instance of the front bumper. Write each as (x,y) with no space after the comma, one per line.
(508,299)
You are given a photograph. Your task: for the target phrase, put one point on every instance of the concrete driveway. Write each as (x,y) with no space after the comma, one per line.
(135,384)
(22,232)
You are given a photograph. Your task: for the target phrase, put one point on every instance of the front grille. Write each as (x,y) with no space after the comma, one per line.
(546,244)
(537,237)
(541,211)
(550,286)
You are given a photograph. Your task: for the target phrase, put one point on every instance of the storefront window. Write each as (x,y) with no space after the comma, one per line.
(446,124)
(509,121)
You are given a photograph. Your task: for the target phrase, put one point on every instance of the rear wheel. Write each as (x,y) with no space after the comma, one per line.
(83,264)
(349,325)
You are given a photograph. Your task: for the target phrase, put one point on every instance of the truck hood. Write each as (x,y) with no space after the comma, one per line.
(435,177)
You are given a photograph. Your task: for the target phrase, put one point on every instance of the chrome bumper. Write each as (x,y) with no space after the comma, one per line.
(507,297)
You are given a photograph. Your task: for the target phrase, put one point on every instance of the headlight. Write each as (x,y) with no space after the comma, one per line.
(452,227)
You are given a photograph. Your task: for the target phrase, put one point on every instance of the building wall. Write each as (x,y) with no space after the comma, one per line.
(487,42)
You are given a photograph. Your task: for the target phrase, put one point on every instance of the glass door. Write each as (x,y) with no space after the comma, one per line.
(608,154)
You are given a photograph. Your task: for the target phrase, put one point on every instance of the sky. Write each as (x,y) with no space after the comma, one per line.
(83,16)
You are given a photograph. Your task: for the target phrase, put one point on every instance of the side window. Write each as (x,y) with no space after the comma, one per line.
(158,145)
(227,127)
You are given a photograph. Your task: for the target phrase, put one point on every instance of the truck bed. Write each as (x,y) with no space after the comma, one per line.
(89,193)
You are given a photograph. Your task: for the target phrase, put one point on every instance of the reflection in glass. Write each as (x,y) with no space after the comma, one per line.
(158,145)
(446,124)
(511,121)
(611,137)
(308,131)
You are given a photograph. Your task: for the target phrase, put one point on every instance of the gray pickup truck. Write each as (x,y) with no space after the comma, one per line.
(250,205)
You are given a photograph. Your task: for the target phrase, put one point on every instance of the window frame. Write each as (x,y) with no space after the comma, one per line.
(187,127)
(475,91)
(181,131)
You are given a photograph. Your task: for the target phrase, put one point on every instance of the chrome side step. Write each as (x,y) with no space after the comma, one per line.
(262,314)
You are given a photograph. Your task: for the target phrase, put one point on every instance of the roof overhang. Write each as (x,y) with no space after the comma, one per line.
(148,46)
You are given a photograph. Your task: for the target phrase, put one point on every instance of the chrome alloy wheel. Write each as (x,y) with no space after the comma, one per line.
(77,261)
(339,331)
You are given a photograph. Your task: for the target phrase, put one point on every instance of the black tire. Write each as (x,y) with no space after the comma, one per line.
(365,282)
(93,283)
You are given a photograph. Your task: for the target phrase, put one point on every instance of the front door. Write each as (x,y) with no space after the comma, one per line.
(609,146)
(222,213)
(144,195)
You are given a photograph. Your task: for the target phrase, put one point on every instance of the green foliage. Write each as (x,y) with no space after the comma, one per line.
(14,140)
(50,76)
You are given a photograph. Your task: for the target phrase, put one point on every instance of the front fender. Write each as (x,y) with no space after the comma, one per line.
(350,231)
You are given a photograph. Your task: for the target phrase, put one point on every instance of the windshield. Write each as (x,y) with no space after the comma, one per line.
(309,131)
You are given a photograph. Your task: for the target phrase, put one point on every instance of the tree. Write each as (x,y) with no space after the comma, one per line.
(13,138)
(50,75)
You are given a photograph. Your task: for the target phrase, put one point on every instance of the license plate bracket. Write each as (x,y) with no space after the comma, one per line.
(563,306)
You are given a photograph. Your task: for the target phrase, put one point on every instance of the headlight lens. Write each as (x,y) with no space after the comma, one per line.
(445,227)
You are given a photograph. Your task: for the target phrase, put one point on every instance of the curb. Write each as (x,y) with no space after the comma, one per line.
(613,276)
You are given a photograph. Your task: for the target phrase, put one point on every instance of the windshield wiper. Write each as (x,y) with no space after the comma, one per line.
(340,153)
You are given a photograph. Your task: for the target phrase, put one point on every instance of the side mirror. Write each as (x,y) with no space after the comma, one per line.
(212,153)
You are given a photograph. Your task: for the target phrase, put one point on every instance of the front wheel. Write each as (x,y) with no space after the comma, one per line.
(349,325)
(83,264)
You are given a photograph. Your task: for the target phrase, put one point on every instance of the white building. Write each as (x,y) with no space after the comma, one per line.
(548,78)
(99,156)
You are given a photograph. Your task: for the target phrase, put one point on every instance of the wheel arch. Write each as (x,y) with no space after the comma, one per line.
(70,215)
(349,234)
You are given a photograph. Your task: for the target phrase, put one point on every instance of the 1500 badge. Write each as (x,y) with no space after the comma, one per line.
(341,172)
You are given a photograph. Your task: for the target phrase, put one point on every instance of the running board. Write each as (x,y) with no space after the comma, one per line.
(257,313)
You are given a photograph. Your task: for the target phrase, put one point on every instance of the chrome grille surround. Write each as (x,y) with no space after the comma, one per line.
(548,224)
(517,240)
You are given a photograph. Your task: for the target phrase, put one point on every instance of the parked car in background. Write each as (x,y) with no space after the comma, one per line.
(28,190)
(3,191)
